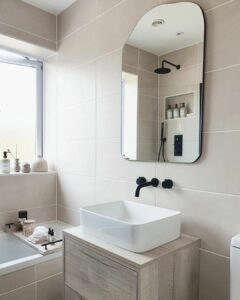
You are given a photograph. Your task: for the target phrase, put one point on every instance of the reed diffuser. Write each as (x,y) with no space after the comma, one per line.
(17,167)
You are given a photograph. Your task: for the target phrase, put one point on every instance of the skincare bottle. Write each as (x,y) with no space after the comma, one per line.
(169,112)
(176,111)
(183,111)
(5,164)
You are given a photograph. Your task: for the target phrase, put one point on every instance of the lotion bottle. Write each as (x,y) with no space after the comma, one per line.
(176,111)
(169,112)
(183,111)
(5,164)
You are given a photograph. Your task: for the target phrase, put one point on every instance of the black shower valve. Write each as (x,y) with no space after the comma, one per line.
(167,184)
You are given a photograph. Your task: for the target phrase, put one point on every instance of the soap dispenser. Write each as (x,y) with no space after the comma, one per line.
(5,164)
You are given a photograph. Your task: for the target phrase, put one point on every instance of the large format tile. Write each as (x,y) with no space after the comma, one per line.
(204,4)
(77,15)
(104,5)
(217,170)
(51,288)
(109,116)
(75,190)
(214,277)
(222,100)
(110,164)
(68,215)
(25,293)
(49,268)
(222,30)
(212,217)
(16,279)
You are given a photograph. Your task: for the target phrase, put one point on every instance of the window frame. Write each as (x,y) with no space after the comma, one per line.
(38,65)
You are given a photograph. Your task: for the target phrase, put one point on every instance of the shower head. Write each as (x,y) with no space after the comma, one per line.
(163,70)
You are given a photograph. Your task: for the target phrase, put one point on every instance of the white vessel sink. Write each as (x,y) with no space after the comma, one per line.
(132,226)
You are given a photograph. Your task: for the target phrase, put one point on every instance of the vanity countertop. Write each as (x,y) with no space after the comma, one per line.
(137,260)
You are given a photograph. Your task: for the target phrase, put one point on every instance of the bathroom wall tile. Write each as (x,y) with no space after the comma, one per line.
(77,15)
(25,293)
(148,108)
(49,268)
(78,48)
(104,5)
(108,74)
(212,217)
(71,294)
(147,61)
(147,83)
(51,288)
(130,55)
(43,214)
(214,277)
(75,191)
(109,40)
(222,44)
(204,4)
(77,121)
(82,157)
(76,85)
(221,103)
(33,190)
(27,37)
(110,164)
(16,279)
(212,171)
(41,23)
(111,190)
(68,215)
(109,116)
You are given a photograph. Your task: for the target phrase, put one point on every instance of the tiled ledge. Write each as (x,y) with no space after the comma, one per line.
(28,174)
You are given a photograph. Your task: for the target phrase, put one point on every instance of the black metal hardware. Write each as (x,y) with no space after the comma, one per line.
(51,243)
(167,184)
(141,181)
(9,225)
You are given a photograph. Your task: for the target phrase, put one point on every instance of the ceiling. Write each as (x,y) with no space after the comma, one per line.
(181,17)
(52,6)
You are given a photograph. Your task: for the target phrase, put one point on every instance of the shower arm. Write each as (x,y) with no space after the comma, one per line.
(168,62)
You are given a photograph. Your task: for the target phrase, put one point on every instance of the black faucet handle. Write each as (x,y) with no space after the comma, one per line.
(141,180)
(167,184)
(155,182)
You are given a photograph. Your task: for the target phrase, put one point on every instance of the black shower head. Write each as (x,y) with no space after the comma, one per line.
(164,70)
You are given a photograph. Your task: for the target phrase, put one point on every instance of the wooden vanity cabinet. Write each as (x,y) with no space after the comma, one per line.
(97,271)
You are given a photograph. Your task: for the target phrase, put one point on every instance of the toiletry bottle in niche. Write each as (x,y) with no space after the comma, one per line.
(5,164)
(169,112)
(183,111)
(176,111)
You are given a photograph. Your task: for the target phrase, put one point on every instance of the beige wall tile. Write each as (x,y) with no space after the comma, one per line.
(103,5)
(43,214)
(214,277)
(221,103)
(77,15)
(49,268)
(28,18)
(205,4)
(75,191)
(25,293)
(33,190)
(68,215)
(147,83)
(51,288)
(212,217)
(222,30)
(71,294)
(109,116)
(130,55)
(17,279)
(147,61)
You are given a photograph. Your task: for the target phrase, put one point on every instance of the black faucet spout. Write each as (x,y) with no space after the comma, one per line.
(154,182)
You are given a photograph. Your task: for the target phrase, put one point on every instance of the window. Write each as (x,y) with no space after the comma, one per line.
(21,106)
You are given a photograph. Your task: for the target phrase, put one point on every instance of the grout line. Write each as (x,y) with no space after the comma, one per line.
(29,209)
(221,131)
(223,68)
(214,253)
(206,192)
(28,32)
(220,5)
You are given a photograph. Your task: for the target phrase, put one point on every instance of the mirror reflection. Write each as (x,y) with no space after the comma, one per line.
(162,82)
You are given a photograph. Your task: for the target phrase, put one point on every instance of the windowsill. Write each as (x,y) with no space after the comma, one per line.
(28,174)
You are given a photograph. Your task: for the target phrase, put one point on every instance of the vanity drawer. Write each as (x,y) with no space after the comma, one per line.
(96,277)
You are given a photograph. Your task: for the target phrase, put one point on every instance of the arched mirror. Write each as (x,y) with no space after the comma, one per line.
(162,85)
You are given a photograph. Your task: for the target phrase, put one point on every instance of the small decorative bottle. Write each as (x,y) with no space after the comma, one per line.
(17,167)
(176,112)
(169,112)
(183,111)
(5,164)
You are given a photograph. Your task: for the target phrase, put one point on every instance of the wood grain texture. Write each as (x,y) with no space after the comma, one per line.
(95,277)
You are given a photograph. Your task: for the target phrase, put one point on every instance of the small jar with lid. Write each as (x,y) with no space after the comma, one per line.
(28,227)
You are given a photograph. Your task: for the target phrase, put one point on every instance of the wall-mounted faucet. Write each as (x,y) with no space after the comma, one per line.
(142,182)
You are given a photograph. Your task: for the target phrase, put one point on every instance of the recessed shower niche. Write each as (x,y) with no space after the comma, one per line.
(162,85)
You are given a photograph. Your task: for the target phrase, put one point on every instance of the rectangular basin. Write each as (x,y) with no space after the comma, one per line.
(132,226)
